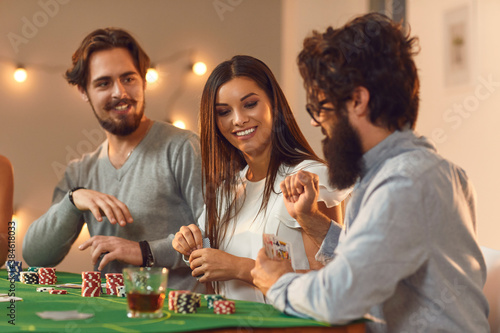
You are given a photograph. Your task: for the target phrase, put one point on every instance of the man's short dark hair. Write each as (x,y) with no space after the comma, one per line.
(370,51)
(104,39)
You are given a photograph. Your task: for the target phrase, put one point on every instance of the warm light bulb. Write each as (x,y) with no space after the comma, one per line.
(199,68)
(179,124)
(20,74)
(152,75)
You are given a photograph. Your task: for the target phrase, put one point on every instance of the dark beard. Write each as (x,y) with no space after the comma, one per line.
(123,127)
(343,153)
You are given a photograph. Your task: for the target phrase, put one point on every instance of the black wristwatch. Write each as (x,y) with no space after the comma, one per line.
(71,193)
(147,255)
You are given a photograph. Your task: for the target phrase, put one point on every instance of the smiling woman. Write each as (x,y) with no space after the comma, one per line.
(250,142)
(244,118)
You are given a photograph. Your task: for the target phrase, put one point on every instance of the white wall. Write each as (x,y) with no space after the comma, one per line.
(44,123)
(468,137)
(300,18)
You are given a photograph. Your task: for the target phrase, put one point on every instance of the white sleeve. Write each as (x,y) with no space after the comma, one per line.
(327,194)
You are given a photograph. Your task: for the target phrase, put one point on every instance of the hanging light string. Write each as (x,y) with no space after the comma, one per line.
(152,76)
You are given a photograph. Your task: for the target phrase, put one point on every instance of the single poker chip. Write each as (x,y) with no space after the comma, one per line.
(47,270)
(44,289)
(33,269)
(184,309)
(58,291)
(47,282)
(113,275)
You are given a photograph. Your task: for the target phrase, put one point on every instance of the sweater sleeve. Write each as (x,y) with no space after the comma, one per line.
(50,237)
(186,166)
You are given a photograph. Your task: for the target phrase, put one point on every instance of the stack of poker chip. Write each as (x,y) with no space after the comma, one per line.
(224,307)
(172,298)
(14,269)
(185,303)
(211,299)
(47,275)
(197,299)
(113,280)
(91,284)
(29,277)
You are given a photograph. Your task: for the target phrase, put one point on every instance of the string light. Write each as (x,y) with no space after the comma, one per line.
(20,74)
(179,124)
(199,68)
(151,75)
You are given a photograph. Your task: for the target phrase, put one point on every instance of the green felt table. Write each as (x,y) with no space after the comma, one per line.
(110,314)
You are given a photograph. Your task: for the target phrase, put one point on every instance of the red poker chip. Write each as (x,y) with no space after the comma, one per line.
(224,307)
(91,275)
(113,275)
(91,292)
(58,291)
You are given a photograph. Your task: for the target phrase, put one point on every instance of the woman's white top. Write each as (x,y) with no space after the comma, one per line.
(246,240)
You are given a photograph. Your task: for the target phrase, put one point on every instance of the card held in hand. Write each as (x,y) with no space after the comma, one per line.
(276,248)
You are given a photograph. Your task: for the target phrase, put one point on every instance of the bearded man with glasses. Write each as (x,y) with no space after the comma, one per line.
(408,254)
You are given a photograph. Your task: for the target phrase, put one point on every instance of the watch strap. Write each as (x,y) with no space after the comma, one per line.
(70,195)
(147,255)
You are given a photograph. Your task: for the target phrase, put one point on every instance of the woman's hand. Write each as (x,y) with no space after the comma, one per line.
(188,239)
(217,265)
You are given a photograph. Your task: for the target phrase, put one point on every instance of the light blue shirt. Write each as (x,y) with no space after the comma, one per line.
(408,255)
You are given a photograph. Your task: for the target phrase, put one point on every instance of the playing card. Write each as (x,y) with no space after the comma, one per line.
(64,315)
(276,248)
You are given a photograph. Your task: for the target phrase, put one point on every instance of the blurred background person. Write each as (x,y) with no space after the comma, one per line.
(6,204)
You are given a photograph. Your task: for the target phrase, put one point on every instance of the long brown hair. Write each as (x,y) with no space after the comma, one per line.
(222,162)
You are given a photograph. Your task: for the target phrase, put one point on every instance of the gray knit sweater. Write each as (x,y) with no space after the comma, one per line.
(161,185)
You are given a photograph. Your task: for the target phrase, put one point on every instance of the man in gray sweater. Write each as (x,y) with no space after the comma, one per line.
(408,253)
(141,184)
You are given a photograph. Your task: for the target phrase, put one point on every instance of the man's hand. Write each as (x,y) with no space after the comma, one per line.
(102,204)
(188,239)
(113,248)
(217,265)
(267,271)
(300,193)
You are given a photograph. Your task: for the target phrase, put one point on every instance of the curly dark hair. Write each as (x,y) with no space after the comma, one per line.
(104,39)
(371,51)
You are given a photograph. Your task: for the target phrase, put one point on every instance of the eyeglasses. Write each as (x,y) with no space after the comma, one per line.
(315,112)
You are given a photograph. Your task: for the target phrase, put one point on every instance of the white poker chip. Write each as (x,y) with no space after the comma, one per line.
(44,289)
